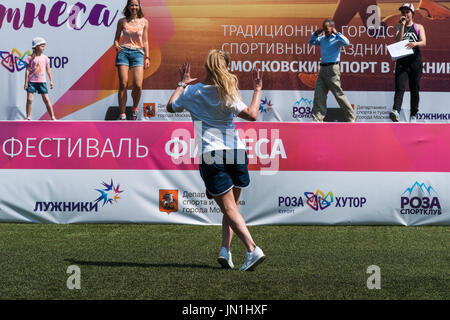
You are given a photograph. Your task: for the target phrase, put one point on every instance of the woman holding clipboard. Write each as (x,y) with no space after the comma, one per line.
(409,67)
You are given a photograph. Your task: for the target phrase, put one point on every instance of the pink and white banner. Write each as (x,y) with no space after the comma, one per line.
(72,172)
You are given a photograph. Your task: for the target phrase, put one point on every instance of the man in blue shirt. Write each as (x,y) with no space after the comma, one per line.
(330,42)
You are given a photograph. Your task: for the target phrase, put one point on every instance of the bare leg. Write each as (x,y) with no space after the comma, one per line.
(138,77)
(227,204)
(227,232)
(48,105)
(29,104)
(123,84)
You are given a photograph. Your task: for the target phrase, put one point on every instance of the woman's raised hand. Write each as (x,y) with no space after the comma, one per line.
(257,76)
(185,74)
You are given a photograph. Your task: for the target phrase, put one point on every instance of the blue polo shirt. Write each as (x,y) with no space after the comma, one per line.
(330,48)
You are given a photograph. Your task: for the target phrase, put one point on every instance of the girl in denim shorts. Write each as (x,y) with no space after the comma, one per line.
(132,54)
(38,65)
(223,166)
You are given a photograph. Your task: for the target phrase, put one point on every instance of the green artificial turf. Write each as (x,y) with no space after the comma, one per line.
(168,262)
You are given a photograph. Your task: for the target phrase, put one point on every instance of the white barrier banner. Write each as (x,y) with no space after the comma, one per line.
(178,197)
(301,173)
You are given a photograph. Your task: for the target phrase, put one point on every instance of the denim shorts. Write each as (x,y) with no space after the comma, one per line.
(222,170)
(130,57)
(40,87)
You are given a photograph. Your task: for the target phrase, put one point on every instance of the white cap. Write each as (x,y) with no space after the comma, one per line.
(37,42)
(407,5)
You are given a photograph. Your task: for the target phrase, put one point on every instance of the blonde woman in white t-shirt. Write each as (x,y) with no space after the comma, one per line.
(223,162)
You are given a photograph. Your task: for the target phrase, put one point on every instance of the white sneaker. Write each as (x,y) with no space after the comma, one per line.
(394,115)
(225,259)
(252,259)
(413,119)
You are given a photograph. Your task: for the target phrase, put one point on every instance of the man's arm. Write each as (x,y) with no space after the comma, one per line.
(341,38)
(314,39)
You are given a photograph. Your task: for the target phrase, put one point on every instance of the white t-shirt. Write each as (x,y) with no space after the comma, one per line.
(213,122)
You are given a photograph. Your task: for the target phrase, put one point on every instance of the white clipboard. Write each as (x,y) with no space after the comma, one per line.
(399,50)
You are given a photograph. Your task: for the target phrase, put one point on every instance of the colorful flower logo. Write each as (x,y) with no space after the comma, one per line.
(110,194)
(266,105)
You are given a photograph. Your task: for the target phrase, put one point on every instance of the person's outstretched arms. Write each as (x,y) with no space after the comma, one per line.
(185,75)
(251,112)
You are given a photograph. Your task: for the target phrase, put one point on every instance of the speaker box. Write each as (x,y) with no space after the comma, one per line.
(113,113)
(335,115)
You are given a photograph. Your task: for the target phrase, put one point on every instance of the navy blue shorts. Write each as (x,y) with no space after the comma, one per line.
(129,57)
(221,170)
(40,87)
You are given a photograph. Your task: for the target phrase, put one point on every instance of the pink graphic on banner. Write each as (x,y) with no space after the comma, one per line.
(172,146)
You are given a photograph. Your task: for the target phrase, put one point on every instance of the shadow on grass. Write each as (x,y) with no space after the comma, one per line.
(140,265)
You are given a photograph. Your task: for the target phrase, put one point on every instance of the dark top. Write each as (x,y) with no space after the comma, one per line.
(411,34)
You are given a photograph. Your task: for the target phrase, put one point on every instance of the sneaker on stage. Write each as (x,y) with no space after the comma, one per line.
(413,119)
(225,259)
(253,259)
(394,115)
(122,116)
(134,115)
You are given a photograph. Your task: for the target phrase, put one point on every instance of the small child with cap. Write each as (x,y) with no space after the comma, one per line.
(38,65)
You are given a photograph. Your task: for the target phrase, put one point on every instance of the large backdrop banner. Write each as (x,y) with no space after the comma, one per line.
(271,35)
(147,172)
